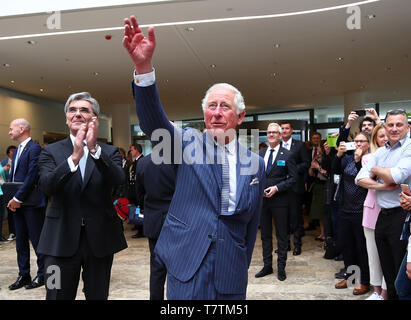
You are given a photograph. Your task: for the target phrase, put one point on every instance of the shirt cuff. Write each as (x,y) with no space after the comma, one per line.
(17,200)
(145,79)
(71,164)
(97,154)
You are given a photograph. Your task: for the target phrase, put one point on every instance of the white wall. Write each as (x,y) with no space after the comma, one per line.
(43,115)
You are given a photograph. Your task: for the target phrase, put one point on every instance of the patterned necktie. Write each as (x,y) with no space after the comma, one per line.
(270,161)
(285,145)
(315,153)
(225,189)
(16,160)
(82,163)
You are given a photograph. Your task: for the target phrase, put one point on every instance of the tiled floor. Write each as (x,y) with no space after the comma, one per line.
(309,275)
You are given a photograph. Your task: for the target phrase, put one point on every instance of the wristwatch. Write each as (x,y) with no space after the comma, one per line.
(94,150)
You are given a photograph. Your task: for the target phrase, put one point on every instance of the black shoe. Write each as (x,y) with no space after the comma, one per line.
(137,235)
(3,239)
(20,282)
(264,272)
(297,251)
(340,274)
(339,257)
(281,275)
(288,249)
(37,282)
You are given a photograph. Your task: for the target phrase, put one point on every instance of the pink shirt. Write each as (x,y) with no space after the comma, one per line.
(371,209)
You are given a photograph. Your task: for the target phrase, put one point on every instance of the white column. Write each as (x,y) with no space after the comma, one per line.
(120,115)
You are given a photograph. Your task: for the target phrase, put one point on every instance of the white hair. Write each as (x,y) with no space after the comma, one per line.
(275,124)
(238,97)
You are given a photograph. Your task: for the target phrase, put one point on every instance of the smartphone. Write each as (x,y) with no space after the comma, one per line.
(350,146)
(360,113)
(406,189)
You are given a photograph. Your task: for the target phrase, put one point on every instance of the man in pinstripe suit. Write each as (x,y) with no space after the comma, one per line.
(209,233)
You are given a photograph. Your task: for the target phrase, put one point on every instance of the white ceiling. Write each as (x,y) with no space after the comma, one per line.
(376,58)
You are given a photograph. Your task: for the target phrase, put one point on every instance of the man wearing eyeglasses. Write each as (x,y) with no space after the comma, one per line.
(389,167)
(81,229)
(281,173)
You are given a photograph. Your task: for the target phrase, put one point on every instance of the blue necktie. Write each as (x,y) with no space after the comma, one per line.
(270,161)
(82,163)
(16,160)
(225,189)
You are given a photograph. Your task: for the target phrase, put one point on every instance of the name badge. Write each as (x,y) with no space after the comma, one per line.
(280,163)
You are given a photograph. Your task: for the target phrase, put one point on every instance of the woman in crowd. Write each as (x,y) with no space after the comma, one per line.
(370,216)
(317,188)
(351,212)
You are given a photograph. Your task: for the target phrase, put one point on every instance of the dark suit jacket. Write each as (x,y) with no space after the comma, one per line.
(302,160)
(282,176)
(131,184)
(71,199)
(27,172)
(194,214)
(155,183)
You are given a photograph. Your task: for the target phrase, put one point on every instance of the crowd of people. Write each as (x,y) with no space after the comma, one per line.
(201,215)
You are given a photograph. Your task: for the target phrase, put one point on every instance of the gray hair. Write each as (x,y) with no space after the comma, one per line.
(275,124)
(86,97)
(24,123)
(238,97)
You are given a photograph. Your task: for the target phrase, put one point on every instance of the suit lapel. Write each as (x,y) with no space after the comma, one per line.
(211,153)
(241,178)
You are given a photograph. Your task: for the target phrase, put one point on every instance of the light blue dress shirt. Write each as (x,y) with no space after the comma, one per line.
(398,158)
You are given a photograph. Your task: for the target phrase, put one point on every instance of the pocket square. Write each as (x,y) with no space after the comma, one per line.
(254,181)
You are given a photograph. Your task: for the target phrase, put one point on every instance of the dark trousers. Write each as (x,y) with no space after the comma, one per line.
(403,283)
(202,285)
(280,215)
(10,220)
(390,248)
(1,214)
(296,217)
(158,273)
(354,244)
(96,274)
(28,222)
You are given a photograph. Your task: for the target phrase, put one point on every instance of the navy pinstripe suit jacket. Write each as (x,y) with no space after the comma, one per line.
(194,214)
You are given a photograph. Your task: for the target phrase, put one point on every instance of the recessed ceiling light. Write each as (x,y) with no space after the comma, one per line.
(273,74)
(12,81)
(95,74)
(277,45)
(371,16)
(41,90)
(190,29)
(213,66)
(340,59)
(388,69)
(32,42)
(6,65)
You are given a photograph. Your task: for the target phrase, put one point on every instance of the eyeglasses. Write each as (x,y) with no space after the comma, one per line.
(360,141)
(84,111)
(272,132)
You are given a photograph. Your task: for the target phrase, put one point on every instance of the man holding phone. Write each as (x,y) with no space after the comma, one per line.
(366,125)
(389,167)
